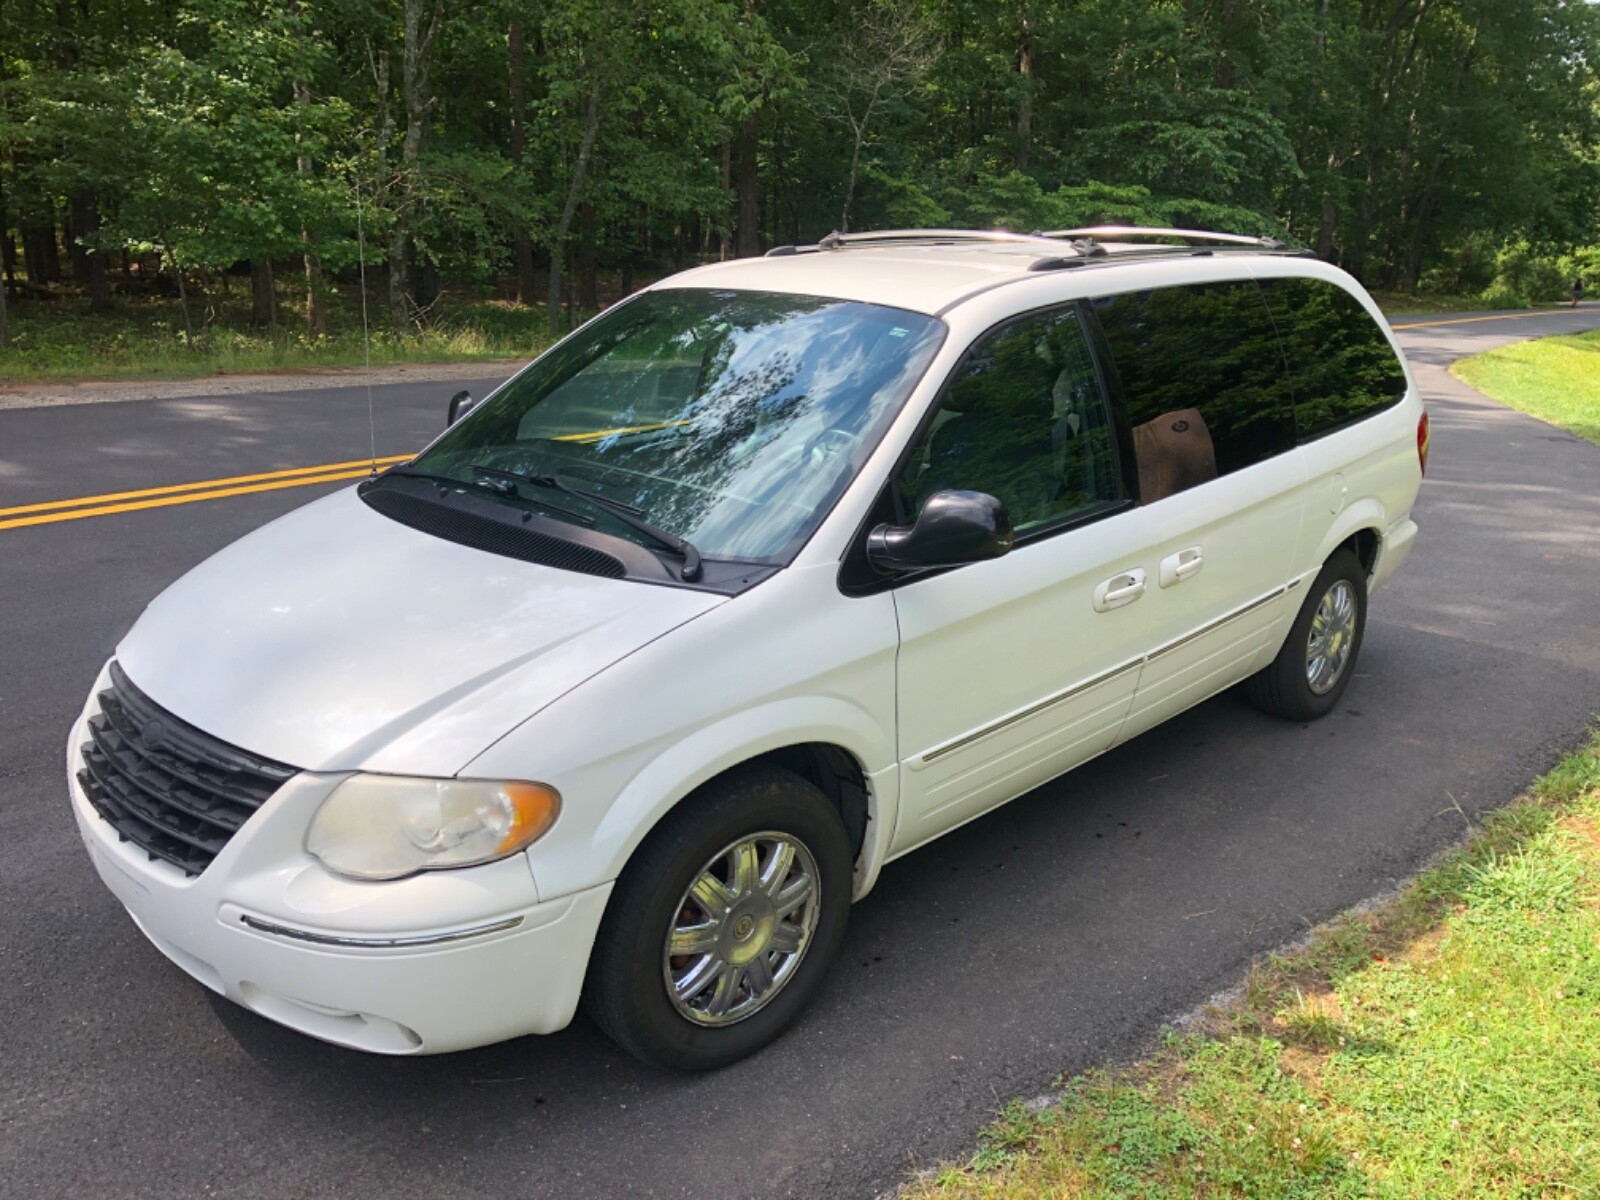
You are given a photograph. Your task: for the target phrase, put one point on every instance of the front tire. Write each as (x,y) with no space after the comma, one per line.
(1318,658)
(724,922)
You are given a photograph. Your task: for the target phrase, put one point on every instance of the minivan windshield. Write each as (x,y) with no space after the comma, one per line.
(729,419)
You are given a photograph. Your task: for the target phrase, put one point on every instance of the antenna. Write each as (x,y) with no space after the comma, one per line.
(366,334)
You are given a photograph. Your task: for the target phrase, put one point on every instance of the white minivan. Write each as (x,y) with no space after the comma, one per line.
(629,684)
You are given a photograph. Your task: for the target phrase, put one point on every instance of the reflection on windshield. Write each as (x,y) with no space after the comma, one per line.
(732,419)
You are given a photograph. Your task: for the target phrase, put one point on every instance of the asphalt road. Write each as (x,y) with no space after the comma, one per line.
(1060,932)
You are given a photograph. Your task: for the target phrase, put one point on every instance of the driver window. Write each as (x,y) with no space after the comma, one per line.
(1024,420)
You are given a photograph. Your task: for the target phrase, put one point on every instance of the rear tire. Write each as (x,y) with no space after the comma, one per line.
(1319,656)
(745,845)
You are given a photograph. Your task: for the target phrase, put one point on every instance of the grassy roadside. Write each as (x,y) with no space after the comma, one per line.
(1444,1044)
(1556,379)
(60,340)
(1402,304)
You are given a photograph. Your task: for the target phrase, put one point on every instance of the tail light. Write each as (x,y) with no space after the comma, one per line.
(1422,441)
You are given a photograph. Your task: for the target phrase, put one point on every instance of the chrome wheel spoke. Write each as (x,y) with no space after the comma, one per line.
(694,939)
(778,867)
(726,990)
(787,939)
(758,973)
(798,892)
(746,875)
(713,896)
(698,978)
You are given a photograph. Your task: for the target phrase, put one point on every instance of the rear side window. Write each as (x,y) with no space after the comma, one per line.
(1341,365)
(1202,378)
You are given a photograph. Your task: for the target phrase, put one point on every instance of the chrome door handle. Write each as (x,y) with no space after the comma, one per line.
(1119,590)
(1175,568)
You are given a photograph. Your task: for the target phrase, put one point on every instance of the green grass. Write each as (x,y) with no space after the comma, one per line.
(1399,304)
(1446,1044)
(1556,379)
(60,340)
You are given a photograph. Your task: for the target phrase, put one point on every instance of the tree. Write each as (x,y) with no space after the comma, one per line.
(888,46)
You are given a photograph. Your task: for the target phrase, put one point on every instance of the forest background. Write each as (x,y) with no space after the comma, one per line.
(188,185)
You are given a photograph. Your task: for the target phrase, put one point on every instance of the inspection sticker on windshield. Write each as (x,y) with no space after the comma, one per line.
(898,331)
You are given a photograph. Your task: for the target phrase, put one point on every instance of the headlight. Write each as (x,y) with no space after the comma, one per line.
(388,826)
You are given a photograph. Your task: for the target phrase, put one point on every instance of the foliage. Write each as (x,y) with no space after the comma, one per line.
(1442,1045)
(1447,143)
(1556,379)
(144,339)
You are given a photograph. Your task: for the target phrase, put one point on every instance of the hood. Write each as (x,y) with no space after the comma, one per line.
(337,639)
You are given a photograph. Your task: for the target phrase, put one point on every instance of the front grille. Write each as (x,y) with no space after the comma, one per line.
(173,791)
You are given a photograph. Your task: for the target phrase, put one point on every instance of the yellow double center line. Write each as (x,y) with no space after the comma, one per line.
(76,509)
(1518,316)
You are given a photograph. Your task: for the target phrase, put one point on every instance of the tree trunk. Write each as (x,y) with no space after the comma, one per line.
(580,169)
(727,186)
(79,222)
(588,261)
(263,294)
(1330,221)
(747,241)
(316,317)
(39,253)
(516,59)
(1026,49)
(850,184)
(420,27)
(88,261)
(183,298)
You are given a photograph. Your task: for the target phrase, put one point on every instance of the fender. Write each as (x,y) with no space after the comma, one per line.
(685,766)
(1365,513)
(665,772)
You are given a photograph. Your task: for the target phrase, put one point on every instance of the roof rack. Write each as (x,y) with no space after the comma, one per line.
(1128,233)
(840,241)
(1084,244)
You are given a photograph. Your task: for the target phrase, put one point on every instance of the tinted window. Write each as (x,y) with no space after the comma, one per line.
(1201,373)
(1024,420)
(1341,366)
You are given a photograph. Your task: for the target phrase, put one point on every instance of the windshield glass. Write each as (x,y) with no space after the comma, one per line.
(731,419)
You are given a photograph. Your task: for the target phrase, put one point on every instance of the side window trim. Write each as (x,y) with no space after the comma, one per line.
(856,578)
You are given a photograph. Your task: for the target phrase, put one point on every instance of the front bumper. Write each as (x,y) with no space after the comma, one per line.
(441,961)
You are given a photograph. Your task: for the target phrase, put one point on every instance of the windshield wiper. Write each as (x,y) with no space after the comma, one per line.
(445,481)
(483,485)
(626,513)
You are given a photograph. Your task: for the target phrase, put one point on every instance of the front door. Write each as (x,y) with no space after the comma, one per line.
(1014,670)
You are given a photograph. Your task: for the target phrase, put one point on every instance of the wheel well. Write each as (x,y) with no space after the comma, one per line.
(836,774)
(1365,544)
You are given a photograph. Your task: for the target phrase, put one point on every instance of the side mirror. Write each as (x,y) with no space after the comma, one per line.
(460,405)
(953,528)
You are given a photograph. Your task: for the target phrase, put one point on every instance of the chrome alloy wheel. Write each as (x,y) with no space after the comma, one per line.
(741,928)
(1333,634)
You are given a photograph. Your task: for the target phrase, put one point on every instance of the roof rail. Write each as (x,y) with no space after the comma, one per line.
(1147,232)
(840,241)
